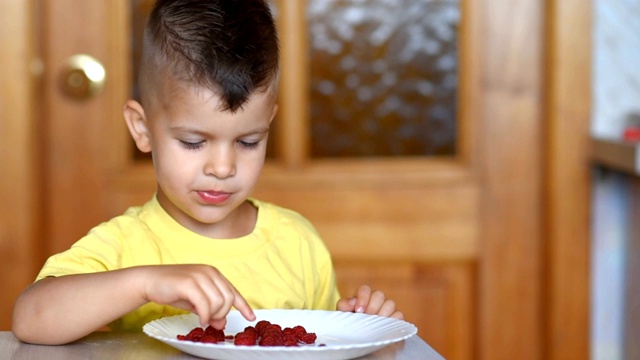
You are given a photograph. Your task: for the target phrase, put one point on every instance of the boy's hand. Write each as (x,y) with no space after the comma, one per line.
(201,289)
(370,302)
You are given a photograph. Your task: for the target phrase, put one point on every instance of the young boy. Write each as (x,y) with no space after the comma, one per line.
(208,84)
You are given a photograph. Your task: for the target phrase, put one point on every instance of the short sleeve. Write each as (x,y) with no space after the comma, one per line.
(99,250)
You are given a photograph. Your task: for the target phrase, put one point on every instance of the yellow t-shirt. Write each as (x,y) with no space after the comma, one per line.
(282,264)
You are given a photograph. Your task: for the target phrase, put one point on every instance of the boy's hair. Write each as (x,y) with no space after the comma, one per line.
(228,46)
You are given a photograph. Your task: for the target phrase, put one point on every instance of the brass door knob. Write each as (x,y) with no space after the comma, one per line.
(82,77)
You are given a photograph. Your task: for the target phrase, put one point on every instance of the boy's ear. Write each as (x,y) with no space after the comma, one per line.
(137,123)
(274,112)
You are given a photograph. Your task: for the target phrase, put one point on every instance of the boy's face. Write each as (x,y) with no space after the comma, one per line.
(207,161)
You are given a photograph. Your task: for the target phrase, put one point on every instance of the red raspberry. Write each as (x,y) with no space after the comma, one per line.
(271,341)
(299,329)
(250,334)
(291,342)
(261,326)
(195,334)
(264,334)
(251,330)
(308,338)
(272,332)
(210,339)
(215,333)
(244,339)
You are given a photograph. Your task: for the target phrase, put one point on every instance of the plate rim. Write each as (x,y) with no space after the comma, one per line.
(412,330)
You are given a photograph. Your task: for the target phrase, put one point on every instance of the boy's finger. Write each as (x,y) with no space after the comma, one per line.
(387,308)
(243,306)
(219,323)
(397,315)
(201,307)
(347,305)
(376,301)
(362,298)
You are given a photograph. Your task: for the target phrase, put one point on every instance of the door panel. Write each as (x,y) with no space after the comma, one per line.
(85,139)
(438,298)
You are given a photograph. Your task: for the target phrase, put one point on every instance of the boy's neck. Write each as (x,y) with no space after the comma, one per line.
(240,222)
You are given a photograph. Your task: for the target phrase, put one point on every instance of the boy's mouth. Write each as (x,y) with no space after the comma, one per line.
(214,197)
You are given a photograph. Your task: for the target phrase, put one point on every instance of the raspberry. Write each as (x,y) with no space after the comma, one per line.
(299,329)
(272,332)
(251,330)
(264,333)
(209,339)
(271,341)
(308,338)
(194,335)
(261,326)
(244,339)
(214,333)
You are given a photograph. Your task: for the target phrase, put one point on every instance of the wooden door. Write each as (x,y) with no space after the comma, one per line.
(463,243)
(18,154)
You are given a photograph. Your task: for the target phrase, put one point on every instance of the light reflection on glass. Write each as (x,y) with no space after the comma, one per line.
(383,77)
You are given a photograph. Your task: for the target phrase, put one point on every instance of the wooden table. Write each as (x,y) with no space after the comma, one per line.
(113,345)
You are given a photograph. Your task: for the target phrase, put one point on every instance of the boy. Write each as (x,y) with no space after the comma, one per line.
(208,84)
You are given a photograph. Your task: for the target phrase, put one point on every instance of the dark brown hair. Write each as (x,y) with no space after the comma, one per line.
(228,46)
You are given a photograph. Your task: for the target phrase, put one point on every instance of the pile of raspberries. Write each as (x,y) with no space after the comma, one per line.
(263,334)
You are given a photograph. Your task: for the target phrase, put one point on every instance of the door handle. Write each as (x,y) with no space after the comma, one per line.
(82,77)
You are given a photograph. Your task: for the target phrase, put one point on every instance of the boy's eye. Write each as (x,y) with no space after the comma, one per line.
(249,144)
(191,145)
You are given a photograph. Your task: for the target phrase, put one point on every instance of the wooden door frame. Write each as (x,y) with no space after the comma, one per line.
(511,125)
(551,88)
(567,235)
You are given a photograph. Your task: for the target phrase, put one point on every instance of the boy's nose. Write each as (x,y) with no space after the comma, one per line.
(221,164)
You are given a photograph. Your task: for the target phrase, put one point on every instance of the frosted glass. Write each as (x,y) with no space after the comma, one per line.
(384,77)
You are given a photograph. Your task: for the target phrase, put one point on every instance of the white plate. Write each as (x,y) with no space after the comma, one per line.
(344,335)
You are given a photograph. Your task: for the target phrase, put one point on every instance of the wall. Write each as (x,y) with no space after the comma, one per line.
(616,93)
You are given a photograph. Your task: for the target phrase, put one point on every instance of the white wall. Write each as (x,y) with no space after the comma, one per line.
(616,94)
(616,66)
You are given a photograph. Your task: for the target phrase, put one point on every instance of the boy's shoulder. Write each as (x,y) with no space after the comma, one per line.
(134,219)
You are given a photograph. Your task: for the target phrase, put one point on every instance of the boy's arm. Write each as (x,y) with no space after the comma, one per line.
(63,309)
